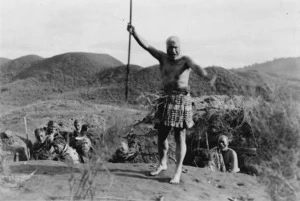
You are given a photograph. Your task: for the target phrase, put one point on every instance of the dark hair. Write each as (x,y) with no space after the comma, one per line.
(50,123)
(84,127)
(38,131)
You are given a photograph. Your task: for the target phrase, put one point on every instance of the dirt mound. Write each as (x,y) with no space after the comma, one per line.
(64,112)
(15,146)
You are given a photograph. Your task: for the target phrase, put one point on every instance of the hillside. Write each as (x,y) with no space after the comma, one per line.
(70,74)
(283,67)
(11,68)
(111,84)
(280,74)
(3,61)
(108,85)
(102,78)
(70,68)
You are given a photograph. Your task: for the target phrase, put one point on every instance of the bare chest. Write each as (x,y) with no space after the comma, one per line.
(227,156)
(174,69)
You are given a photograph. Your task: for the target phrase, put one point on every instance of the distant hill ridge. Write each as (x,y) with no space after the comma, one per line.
(3,61)
(289,67)
(101,77)
(70,66)
(64,66)
(12,68)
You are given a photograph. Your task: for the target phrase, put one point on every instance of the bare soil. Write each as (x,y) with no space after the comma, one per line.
(124,181)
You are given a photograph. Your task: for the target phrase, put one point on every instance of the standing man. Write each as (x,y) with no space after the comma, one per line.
(174,109)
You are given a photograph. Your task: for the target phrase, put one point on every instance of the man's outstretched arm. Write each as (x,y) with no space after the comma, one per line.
(143,43)
(201,72)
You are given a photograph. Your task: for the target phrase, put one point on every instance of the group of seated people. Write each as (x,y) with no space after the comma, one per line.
(70,147)
(76,147)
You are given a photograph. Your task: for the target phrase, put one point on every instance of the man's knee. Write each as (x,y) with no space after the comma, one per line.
(163,132)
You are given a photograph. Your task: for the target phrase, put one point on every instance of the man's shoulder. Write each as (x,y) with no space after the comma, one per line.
(231,151)
(186,58)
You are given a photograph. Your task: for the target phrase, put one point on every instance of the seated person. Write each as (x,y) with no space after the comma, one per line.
(40,136)
(83,133)
(222,158)
(70,137)
(52,128)
(76,132)
(84,148)
(63,151)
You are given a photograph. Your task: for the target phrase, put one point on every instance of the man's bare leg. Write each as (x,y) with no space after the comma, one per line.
(180,153)
(163,147)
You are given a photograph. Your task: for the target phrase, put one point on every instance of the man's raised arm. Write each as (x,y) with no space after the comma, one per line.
(143,43)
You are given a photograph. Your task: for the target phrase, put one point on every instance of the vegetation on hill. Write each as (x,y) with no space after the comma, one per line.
(28,79)
(11,68)
(148,80)
(287,67)
(3,61)
(102,78)
(276,125)
(72,69)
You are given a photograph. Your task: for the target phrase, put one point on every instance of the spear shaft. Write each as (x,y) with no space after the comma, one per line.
(129,49)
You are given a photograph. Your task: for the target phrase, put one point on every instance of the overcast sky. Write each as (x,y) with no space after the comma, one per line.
(227,33)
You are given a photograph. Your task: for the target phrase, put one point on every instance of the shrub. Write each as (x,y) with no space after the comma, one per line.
(277,128)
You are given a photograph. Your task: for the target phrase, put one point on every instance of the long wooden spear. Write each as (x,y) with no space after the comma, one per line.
(129,48)
(26,131)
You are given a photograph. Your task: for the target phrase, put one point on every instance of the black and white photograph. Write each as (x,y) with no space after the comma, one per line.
(150,100)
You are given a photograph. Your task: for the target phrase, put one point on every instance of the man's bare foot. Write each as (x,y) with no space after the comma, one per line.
(176,179)
(158,170)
